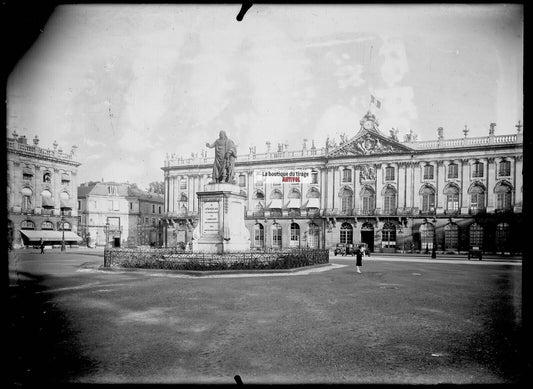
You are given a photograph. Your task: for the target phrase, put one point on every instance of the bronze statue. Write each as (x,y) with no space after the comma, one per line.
(225,155)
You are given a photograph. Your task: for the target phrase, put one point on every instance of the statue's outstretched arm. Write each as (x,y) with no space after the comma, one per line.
(210,145)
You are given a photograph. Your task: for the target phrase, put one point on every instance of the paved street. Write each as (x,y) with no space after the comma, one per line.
(403,320)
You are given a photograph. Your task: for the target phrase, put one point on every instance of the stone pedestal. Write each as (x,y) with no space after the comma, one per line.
(221,228)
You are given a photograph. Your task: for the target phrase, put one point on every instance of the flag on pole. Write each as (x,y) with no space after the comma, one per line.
(375,101)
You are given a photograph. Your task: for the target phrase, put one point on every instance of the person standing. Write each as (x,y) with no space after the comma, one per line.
(41,244)
(358,259)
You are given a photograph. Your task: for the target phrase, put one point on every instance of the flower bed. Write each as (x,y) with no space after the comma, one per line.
(176,259)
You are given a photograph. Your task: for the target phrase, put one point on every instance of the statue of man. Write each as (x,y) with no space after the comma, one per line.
(225,155)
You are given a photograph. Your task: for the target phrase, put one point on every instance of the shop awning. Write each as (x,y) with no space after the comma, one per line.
(276,203)
(313,203)
(294,203)
(49,236)
(48,201)
(65,203)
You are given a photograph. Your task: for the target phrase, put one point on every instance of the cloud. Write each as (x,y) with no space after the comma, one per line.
(395,61)
(334,121)
(398,108)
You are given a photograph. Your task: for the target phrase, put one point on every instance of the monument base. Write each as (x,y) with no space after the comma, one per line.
(221,228)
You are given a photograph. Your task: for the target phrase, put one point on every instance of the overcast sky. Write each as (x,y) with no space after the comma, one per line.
(129,83)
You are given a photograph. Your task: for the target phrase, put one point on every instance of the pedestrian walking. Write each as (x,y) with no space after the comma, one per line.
(358,259)
(41,244)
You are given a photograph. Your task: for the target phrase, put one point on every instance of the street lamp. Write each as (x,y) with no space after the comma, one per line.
(63,234)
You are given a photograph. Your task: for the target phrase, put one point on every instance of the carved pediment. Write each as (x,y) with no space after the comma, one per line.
(369,143)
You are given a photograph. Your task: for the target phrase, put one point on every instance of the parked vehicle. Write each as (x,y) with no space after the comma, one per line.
(340,249)
(475,251)
(350,249)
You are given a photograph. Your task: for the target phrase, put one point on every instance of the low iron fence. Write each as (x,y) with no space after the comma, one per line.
(177,259)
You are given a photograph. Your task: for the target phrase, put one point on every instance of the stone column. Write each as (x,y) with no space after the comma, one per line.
(195,199)
(516,171)
(56,184)
(336,187)
(491,180)
(465,183)
(417,182)
(440,198)
(323,189)
(356,189)
(401,179)
(167,184)
(190,198)
(379,188)
(330,178)
(250,187)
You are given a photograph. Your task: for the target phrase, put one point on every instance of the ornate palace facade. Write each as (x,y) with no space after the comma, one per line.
(450,194)
(41,193)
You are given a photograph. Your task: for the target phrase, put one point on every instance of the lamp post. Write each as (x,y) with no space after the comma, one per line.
(63,234)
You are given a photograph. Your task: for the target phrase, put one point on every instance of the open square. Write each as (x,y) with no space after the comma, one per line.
(397,322)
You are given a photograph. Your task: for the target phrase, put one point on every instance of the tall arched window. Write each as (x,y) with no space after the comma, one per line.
(346,233)
(475,235)
(427,236)
(477,199)
(503,197)
(47,225)
(259,235)
(276,194)
(389,235)
(451,236)
(295,235)
(503,234)
(368,198)
(346,201)
(26,199)
(428,199)
(452,198)
(276,204)
(313,202)
(276,236)
(389,201)
(64,226)
(313,235)
(27,225)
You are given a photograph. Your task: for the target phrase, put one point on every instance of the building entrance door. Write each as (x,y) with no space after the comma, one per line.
(367,235)
(116,242)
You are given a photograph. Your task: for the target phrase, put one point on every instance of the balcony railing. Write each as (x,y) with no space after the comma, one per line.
(13,145)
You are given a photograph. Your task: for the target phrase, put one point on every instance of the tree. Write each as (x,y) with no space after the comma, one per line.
(157,187)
